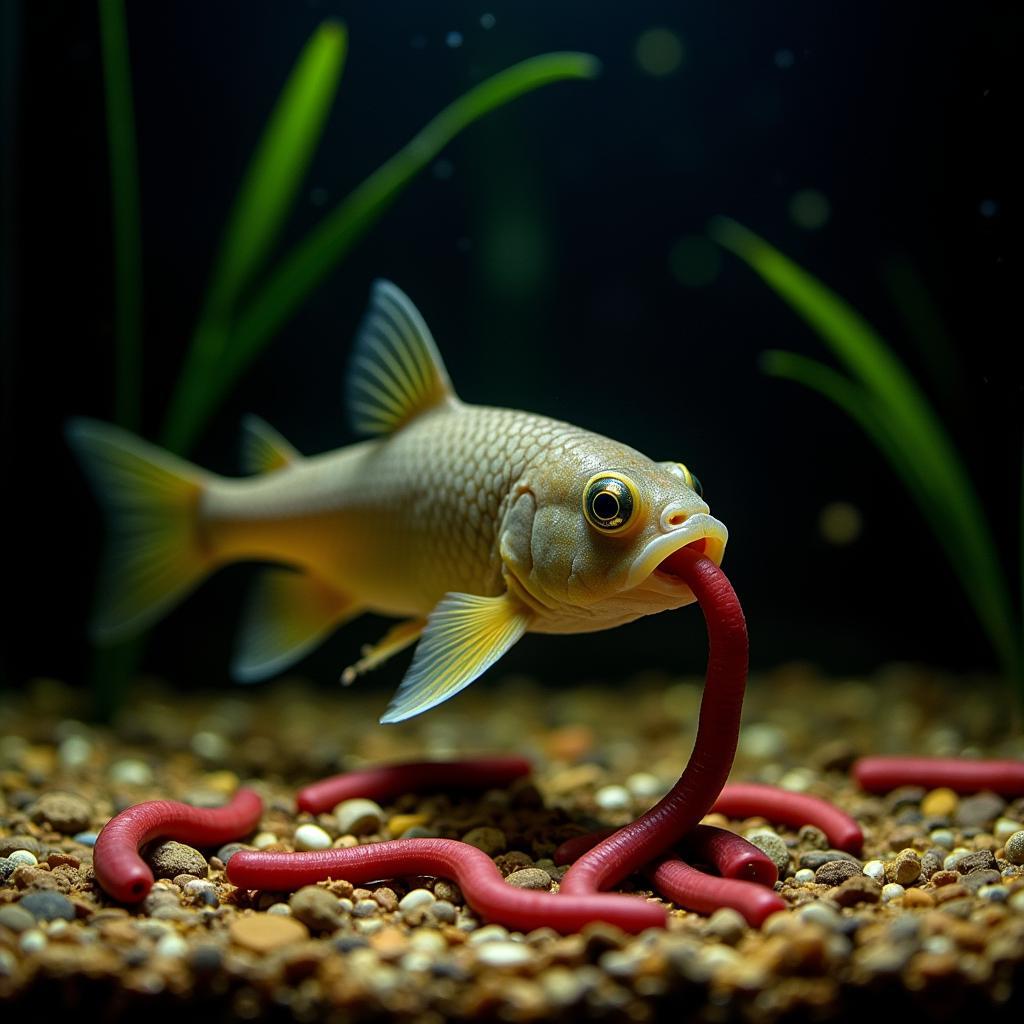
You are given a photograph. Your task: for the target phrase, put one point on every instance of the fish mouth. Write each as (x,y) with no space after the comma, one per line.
(700,532)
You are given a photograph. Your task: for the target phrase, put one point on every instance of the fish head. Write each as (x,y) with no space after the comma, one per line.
(591,534)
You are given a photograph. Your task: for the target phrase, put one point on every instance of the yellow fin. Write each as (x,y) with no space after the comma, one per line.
(154,553)
(263,448)
(396,370)
(465,635)
(396,639)
(289,614)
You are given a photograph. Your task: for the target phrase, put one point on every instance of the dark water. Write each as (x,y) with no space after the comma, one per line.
(539,248)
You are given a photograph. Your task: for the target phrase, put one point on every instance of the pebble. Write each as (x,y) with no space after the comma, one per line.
(803,876)
(172,858)
(530,878)
(875,869)
(21,858)
(726,925)
(48,905)
(918,898)
(32,941)
(311,837)
(87,838)
(263,839)
(16,918)
(226,852)
(1014,848)
(365,908)
(834,872)
(943,837)
(613,798)
(399,824)
(994,893)
(939,803)
(489,933)
(812,836)
(130,771)
(262,933)
(644,785)
(1004,828)
(172,945)
(773,846)
(979,877)
(415,900)
(504,954)
(442,911)
(490,840)
(316,908)
(813,859)
(978,810)
(858,889)
(66,812)
(360,817)
(892,891)
(906,868)
(821,914)
(973,861)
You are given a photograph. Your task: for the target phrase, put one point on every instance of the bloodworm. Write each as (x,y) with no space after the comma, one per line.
(714,747)
(395,779)
(478,877)
(882,774)
(116,861)
(705,893)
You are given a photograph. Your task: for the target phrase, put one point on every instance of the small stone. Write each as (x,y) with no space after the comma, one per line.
(130,771)
(726,925)
(48,906)
(857,889)
(644,785)
(774,847)
(978,810)
(226,852)
(994,893)
(613,798)
(834,872)
(87,838)
(980,877)
(415,900)
(445,890)
(311,837)
(821,914)
(918,898)
(65,812)
(399,824)
(386,897)
(365,908)
(930,863)
(1014,848)
(943,837)
(16,918)
(973,861)
(1004,828)
(875,869)
(892,891)
(22,858)
(358,817)
(9,844)
(504,954)
(32,941)
(943,878)
(813,859)
(282,909)
(262,933)
(263,839)
(442,912)
(316,908)
(939,803)
(812,836)
(804,876)
(172,945)
(530,878)
(490,840)
(172,858)
(906,868)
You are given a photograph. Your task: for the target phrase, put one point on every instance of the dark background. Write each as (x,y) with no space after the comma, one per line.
(538,252)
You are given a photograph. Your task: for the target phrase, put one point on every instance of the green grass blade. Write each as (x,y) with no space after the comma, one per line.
(328,243)
(907,418)
(124,192)
(279,164)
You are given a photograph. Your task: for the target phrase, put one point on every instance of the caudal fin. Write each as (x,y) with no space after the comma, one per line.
(154,555)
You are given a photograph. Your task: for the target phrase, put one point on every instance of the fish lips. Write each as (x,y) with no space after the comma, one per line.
(654,564)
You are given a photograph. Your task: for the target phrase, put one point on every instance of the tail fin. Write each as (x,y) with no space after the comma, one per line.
(154,555)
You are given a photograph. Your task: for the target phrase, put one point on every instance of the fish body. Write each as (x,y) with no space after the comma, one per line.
(473,524)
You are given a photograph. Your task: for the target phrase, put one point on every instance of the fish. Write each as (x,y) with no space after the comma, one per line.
(471,525)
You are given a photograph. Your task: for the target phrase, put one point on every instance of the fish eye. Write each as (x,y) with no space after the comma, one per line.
(609,502)
(691,480)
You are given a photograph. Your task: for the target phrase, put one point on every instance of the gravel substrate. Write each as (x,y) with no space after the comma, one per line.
(929,921)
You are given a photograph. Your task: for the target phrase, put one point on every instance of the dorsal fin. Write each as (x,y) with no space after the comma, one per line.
(263,448)
(396,371)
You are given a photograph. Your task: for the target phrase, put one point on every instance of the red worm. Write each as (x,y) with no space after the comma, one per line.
(882,774)
(713,750)
(395,779)
(704,893)
(477,875)
(750,799)
(116,861)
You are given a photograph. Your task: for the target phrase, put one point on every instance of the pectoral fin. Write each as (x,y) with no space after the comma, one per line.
(289,614)
(465,635)
(396,639)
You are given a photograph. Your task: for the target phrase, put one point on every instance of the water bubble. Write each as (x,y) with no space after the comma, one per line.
(840,522)
(488,21)
(809,209)
(453,40)
(659,52)
(695,261)
(784,59)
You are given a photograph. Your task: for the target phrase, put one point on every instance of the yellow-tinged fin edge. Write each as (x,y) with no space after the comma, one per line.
(465,635)
(263,448)
(396,371)
(289,614)
(155,554)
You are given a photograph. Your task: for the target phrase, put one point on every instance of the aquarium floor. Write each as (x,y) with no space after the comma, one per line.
(602,755)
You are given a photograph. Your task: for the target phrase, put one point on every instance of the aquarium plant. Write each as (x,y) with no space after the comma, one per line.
(882,397)
(250,295)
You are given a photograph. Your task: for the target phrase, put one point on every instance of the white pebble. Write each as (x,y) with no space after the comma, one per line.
(939,944)
(821,914)
(22,857)
(264,839)
(280,910)
(1005,827)
(875,869)
(490,933)
(644,784)
(311,837)
(415,899)
(130,771)
(427,940)
(1016,901)
(798,780)
(211,746)
(994,893)
(804,876)
(942,837)
(74,752)
(613,798)
(504,954)
(358,817)
(763,740)
(32,941)
(173,945)
(892,891)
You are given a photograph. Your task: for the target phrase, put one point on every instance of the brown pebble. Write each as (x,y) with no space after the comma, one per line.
(172,858)
(944,877)
(262,933)
(918,898)
(953,891)
(316,908)
(8,844)
(973,861)
(386,897)
(65,812)
(445,890)
(858,889)
(834,872)
(939,803)
(530,878)
(906,868)
(389,943)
